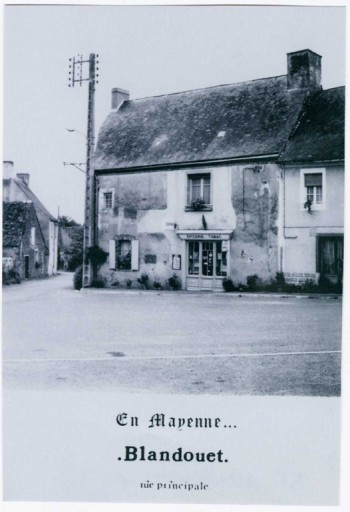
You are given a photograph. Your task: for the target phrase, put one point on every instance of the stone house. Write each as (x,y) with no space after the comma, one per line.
(24,249)
(16,188)
(195,183)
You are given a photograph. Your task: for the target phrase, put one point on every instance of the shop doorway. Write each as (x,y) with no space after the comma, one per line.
(207,264)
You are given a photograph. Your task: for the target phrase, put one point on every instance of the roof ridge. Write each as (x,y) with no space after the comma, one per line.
(205,88)
(24,188)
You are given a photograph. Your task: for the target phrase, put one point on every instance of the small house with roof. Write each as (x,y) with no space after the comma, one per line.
(16,188)
(24,250)
(200,183)
(313,192)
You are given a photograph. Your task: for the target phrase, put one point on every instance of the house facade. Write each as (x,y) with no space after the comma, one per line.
(16,188)
(313,199)
(200,183)
(24,250)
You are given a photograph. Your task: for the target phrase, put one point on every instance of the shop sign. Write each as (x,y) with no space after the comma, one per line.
(203,236)
(176,261)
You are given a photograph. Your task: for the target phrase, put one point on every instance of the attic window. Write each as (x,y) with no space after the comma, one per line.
(221,134)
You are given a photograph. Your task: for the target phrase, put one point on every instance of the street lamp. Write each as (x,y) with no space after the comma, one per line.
(76,165)
(71,130)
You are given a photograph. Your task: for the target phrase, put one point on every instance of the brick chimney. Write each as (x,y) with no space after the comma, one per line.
(304,70)
(8,170)
(118,97)
(24,176)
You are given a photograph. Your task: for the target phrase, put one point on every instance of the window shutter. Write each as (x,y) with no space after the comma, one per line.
(134,255)
(313,180)
(112,254)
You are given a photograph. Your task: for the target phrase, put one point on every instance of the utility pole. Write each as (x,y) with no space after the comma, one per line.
(77,75)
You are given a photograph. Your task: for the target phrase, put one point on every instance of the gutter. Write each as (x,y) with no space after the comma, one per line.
(181,165)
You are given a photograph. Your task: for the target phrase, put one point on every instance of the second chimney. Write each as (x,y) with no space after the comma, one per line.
(118,97)
(304,70)
(24,176)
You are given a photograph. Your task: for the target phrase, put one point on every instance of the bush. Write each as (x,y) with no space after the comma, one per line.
(173,282)
(78,278)
(279,279)
(10,277)
(128,283)
(143,280)
(99,282)
(228,285)
(309,286)
(96,255)
(115,283)
(252,282)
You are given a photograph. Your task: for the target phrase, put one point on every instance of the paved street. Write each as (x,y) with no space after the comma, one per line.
(169,342)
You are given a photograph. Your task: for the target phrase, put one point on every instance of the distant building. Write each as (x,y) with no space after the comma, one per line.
(24,249)
(216,182)
(16,188)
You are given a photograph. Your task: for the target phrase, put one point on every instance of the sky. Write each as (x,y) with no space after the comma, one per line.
(147,50)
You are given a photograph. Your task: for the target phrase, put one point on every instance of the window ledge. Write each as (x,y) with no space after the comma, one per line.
(206,208)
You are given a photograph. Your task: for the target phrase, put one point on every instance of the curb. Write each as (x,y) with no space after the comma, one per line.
(316,296)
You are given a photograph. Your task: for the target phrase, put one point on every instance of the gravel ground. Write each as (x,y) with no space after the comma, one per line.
(169,342)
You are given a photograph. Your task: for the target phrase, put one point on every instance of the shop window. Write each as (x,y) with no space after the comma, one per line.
(198,191)
(221,258)
(207,259)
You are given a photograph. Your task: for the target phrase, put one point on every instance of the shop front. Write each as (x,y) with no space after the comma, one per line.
(207,258)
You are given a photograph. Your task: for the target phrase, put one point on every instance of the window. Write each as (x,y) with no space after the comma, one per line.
(107,196)
(32,236)
(198,190)
(123,260)
(313,188)
(313,184)
(124,253)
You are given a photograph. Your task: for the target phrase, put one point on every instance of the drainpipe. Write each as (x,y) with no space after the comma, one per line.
(284,206)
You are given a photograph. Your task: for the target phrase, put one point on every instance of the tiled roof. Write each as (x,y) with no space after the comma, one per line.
(320,133)
(15,216)
(223,122)
(32,197)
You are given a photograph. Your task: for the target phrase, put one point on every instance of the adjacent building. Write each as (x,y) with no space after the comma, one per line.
(228,181)
(16,189)
(24,250)
(313,193)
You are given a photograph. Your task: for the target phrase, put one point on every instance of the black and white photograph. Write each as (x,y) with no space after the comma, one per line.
(173,255)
